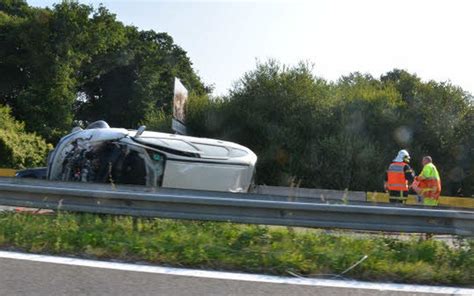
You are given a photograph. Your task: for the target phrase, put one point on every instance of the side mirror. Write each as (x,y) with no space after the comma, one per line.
(140,131)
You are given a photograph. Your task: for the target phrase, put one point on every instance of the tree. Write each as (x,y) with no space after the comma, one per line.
(74,62)
(138,83)
(275,111)
(43,51)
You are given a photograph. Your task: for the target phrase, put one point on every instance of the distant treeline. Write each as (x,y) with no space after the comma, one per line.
(316,133)
(73,64)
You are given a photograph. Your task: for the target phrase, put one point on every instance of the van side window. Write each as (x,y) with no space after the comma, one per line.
(158,162)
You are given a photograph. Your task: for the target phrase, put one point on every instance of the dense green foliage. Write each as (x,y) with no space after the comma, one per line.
(226,246)
(340,135)
(19,149)
(73,62)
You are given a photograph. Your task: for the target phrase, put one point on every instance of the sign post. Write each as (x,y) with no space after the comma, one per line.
(180,99)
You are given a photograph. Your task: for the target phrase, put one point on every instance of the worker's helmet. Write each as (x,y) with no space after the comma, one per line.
(403,156)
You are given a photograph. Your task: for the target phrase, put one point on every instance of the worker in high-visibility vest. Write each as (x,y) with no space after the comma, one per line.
(428,183)
(398,178)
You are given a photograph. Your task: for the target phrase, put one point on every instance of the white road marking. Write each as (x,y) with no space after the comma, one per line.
(236,276)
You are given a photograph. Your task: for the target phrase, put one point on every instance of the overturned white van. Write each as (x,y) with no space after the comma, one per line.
(114,155)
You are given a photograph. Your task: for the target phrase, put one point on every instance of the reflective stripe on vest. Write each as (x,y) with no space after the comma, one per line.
(396,177)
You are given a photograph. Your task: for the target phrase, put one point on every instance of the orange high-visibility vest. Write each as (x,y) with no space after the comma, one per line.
(396,177)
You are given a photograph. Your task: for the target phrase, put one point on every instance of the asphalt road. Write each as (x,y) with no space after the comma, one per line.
(31,277)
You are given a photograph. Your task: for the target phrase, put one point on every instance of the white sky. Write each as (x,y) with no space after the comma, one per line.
(433,39)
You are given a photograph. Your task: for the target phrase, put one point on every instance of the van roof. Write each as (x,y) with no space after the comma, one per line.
(206,148)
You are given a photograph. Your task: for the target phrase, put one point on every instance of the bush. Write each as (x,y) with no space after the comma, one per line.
(343,134)
(19,149)
(157,120)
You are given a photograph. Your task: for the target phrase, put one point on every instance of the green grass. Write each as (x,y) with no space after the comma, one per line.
(237,247)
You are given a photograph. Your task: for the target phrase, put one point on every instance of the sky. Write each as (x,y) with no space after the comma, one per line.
(225,39)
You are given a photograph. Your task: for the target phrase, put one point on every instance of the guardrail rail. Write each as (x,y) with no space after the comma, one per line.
(232,207)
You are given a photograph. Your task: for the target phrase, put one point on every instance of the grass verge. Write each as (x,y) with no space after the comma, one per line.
(237,247)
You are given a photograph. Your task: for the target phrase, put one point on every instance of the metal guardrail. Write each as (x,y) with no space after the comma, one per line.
(325,194)
(322,194)
(233,207)
(356,196)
